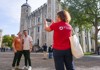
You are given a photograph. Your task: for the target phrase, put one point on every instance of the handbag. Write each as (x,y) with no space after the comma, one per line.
(76,48)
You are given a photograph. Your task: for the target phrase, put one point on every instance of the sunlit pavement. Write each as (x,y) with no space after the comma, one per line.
(86,63)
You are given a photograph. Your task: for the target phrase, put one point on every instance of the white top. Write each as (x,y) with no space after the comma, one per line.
(27,40)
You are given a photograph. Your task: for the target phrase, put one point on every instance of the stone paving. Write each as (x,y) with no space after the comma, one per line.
(86,63)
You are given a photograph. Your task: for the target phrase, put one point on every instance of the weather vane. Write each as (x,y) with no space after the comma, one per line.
(26,1)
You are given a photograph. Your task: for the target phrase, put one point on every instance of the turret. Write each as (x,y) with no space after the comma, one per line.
(25,12)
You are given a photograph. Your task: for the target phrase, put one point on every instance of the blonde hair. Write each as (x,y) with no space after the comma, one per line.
(64,16)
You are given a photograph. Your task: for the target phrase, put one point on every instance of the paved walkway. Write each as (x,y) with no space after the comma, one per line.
(85,63)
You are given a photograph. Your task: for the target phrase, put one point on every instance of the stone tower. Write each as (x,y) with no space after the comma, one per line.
(53,6)
(25,12)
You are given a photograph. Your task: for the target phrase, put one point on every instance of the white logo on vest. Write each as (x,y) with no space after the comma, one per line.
(61,28)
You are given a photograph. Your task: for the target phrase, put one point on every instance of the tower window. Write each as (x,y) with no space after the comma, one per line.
(45,36)
(39,19)
(26,10)
(38,41)
(28,32)
(38,29)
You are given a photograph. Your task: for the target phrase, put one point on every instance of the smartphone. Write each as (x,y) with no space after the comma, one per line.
(48,20)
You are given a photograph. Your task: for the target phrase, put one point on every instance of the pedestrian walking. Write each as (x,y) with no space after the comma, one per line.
(50,51)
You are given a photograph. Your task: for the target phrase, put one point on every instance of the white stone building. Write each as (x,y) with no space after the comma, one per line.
(0,37)
(33,22)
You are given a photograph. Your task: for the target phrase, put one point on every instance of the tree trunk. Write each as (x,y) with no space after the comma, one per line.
(96,44)
(96,35)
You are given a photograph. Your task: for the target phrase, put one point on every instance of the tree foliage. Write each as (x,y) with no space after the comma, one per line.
(85,13)
(7,40)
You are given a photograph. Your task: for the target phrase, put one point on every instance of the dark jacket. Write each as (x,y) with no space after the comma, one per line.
(50,50)
(44,48)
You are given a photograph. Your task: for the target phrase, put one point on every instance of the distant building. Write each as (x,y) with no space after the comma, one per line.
(0,38)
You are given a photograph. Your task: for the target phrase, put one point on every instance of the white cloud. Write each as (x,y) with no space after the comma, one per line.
(11,9)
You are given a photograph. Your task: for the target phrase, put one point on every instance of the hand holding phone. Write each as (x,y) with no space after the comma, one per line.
(48,20)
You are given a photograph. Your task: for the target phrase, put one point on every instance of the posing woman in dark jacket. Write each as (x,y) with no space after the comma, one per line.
(61,43)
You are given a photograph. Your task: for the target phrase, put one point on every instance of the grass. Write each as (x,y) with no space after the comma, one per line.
(88,53)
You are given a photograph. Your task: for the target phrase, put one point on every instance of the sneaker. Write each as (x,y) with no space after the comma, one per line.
(25,67)
(13,68)
(30,68)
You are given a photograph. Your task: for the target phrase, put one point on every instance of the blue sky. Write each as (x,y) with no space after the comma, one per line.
(10,14)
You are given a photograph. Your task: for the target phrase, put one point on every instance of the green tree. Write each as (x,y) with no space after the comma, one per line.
(84,13)
(7,40)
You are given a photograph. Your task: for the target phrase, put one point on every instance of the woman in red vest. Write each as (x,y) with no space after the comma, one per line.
(61,44)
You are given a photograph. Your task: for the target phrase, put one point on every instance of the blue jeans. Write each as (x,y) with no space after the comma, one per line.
(63,59)
(50,55)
